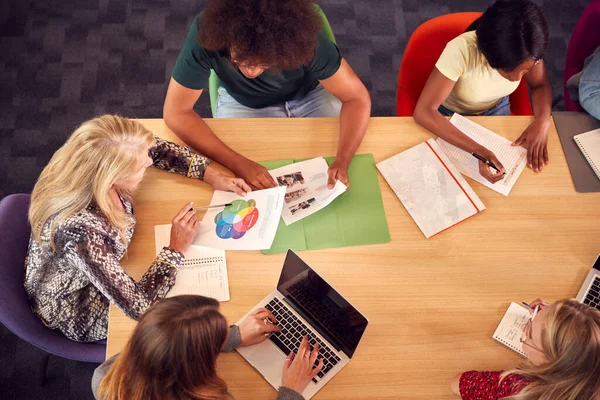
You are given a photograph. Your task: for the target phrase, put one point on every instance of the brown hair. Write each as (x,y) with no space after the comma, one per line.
(571,343)
(281,34)
(172,354)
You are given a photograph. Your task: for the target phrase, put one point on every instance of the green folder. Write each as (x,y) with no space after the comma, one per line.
(355,218)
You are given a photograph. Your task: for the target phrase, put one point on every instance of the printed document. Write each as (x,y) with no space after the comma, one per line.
(513,158)
(249,223)
(306,188)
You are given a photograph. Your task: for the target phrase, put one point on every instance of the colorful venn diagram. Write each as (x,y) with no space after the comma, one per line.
(237,219)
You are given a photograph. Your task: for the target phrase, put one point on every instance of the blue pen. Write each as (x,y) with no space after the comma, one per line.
(526,305)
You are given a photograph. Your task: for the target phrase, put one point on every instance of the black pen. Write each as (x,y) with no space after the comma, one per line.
(486,162)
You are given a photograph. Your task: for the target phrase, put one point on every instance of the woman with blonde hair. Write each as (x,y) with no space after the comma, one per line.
(173,350)
(82,222)
(562,343)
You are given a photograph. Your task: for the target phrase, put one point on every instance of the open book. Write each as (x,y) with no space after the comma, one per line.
(513,158)
(204,271)
(510,330)
(430,187)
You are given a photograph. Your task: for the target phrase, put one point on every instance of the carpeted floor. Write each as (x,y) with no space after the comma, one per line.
(62,62)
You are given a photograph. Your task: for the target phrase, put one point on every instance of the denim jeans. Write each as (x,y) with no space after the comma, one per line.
(318,103)
(589,87)
(500,109)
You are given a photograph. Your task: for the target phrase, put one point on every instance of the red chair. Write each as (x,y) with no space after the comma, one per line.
(586,37)
(422,52)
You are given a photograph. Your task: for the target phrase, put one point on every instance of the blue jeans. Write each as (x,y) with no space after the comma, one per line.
(318,103)
(500,109)
(589,87)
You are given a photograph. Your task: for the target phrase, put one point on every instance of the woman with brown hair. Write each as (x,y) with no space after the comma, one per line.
(562,342)
(173,351)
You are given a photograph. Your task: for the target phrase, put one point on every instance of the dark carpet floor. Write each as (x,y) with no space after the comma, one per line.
(65,61)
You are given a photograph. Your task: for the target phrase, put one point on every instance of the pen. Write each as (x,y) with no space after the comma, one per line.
(537,308)
(525,304)
(207,207)
(486,162)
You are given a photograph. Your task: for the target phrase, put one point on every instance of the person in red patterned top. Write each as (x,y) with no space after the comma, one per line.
(562,344)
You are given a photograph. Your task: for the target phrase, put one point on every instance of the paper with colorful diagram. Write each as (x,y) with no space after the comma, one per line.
(249,223)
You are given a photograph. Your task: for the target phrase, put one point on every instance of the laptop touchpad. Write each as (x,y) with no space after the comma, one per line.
(269,361)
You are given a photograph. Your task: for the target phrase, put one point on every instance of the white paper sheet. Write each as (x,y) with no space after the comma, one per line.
(433,192)
(306,188)
(510,330)
(204,271)
(250,223)
(513,158)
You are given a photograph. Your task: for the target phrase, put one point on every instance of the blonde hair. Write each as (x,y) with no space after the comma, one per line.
(571,343)
(99,154)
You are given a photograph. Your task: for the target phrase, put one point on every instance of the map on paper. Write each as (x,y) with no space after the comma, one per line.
(513,158)
(306,188)
(204,271)
(431,189)
(249,223)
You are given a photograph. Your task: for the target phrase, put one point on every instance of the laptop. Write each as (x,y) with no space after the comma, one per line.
(590,290)
(306,305)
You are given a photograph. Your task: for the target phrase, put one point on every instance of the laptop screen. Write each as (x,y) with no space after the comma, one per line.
(321,305)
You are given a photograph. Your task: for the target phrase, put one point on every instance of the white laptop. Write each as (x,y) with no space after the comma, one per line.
(306,305)
(590,290)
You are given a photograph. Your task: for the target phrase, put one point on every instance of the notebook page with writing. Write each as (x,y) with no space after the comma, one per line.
(431,189)
(510,330)
(589,144)
(204,271)
(513,158)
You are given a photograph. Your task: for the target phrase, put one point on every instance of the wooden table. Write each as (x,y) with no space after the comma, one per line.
(433,304)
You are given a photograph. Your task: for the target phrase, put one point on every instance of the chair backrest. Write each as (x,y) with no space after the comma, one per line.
(214,82)
(422,52)
(585,38)
(15,311)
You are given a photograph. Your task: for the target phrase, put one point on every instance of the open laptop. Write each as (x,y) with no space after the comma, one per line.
(590,290)
(305,305)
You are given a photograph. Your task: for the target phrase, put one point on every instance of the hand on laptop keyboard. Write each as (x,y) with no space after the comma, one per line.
(299,369)
(257,327)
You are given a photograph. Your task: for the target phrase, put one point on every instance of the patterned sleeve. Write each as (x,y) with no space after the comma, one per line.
(91,255)
(486,385)
(175,158)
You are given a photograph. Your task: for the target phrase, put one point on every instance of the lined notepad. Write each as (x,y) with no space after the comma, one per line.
(510,330)
(513,158)
(430,187)
(589,144)
(204,271)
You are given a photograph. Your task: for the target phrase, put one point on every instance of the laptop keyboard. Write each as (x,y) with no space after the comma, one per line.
(593,295)
(290,337)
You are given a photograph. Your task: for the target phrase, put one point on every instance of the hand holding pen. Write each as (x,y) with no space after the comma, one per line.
(489,166)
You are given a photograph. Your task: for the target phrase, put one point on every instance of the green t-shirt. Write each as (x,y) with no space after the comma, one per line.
(192,70)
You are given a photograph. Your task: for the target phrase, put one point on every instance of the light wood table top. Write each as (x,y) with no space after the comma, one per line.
(434,304)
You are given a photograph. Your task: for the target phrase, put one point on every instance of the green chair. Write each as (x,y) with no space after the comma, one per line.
(214,81)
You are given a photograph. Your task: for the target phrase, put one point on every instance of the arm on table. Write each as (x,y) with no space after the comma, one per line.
(535,137)
(354,118)
(436,90)
(181,118)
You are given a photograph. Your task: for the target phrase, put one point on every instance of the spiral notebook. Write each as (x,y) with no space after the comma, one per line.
(510,330)
(589,143)
(204,271)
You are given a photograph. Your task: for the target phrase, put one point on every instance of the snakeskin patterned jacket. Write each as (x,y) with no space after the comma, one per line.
(70,289)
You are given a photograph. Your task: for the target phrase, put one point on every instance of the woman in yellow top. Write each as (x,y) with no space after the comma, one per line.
(480,68)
